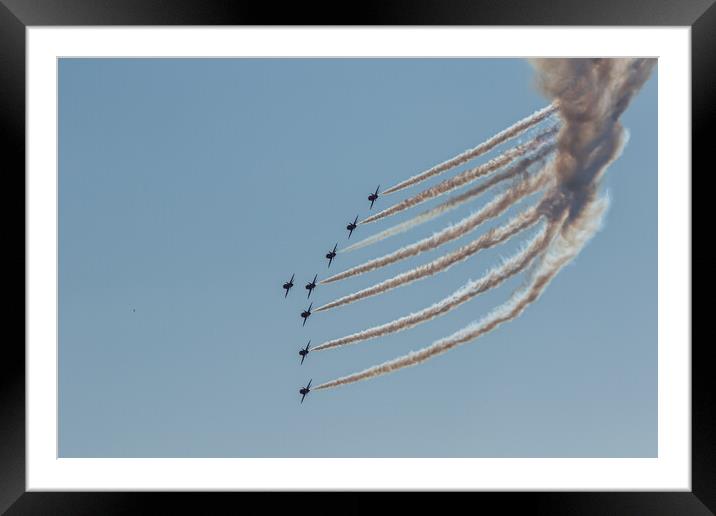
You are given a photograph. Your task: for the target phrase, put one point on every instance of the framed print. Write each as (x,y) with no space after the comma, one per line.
(446,248)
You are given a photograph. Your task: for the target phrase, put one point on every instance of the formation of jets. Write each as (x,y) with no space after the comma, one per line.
(303,353)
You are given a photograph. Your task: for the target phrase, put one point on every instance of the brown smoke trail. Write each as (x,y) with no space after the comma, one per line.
(591,95)
(490,280)
(493,209)
(465,177)
(513,171)
(487,240)
(558,255)
(501,137)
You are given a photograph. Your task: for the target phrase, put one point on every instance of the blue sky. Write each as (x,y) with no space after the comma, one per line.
(190,190)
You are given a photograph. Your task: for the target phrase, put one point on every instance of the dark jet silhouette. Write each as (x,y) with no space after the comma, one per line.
(305,390)
(306,314)
(332,254)
(288,285)
(304,352)
(351,226)
(372,197)
(310,286)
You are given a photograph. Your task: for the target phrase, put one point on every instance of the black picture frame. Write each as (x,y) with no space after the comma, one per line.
(16,15)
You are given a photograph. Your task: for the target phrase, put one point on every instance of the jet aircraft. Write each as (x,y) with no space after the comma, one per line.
(372,197)
(304,351)
(288,285)
(331,254)
(351,226)
(310,286)
(306,314)
(305,390)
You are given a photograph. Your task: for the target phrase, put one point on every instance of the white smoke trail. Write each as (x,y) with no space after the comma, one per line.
(558,255)
(492,279)
(465,177)
(489,239)
(501,137)
(458,200)
(493,209)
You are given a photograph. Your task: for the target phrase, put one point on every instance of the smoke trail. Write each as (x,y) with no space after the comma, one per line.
(591,95)
(503,136)
(493,209)
(489,239)
(464,177)
(567,246)
(513,171)
(490,280)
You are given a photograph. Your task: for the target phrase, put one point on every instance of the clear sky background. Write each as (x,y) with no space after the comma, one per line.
(190,190)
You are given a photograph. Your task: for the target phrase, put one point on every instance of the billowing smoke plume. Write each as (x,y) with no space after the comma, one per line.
(501,137)
(591,94)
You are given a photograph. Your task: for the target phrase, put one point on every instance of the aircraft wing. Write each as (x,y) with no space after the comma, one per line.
(302,398)
(302,358)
